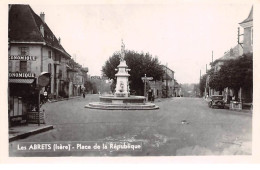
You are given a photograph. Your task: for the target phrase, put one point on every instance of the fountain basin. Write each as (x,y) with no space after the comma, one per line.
(122,100)
(122,103)
(127,106)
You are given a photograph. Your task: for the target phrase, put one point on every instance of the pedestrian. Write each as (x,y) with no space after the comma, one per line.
(45,94)
(83,94)
(152,97)
(150,93)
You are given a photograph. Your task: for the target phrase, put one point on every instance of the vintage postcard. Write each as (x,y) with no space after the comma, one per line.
(130,79)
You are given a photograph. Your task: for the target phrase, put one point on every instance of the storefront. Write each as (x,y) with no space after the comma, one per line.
(22,97)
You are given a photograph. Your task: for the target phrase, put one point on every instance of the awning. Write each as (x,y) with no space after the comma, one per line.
(21,81)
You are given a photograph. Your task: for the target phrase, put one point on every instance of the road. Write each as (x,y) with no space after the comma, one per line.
(182,126)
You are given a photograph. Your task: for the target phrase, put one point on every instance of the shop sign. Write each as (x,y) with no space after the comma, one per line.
(21,75)
(147,78)
(22,57)
(99,78)
(96,77)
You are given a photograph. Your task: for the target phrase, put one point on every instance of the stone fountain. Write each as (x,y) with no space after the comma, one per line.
(122,100)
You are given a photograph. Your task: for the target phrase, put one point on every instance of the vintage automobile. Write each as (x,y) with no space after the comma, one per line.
(216,101)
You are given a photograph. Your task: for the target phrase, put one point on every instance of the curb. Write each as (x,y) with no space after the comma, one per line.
(30,133)
(64,99)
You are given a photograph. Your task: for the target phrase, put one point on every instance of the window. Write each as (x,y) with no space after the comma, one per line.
(60,74)
(49,54)
(23,66)
(49,68)
(54,55)
(57,58)
(24,50)
(10,66)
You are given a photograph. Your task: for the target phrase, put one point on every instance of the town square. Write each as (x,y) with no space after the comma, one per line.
(130,79)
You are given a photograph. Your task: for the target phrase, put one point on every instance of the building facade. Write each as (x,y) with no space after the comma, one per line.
(247,93)
(34,49)
(246,47)
(166,86)
(247,25)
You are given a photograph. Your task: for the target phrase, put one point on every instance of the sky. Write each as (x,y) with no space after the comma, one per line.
(182,34)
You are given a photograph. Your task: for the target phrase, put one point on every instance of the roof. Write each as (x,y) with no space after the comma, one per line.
(24,26)
(168,77)
(233,53)
(249,18)
(84,69)
(165,67)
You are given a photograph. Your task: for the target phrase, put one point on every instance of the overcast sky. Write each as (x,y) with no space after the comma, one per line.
(180,34)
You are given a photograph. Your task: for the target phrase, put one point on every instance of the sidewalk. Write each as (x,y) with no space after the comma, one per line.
(20,132)
(244,109)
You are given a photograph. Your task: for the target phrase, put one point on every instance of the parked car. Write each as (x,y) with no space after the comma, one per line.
(216,101)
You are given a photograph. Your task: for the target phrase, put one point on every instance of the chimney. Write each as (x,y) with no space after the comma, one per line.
(42,15)
(10,6)
(59,40)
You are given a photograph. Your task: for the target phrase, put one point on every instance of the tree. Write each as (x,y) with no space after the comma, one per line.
(234,74)
(203,83)
(90,87)
(216,80)
(238,73)
(139,64)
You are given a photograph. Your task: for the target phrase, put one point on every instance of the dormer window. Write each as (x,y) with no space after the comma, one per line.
(45,33)
(42,30)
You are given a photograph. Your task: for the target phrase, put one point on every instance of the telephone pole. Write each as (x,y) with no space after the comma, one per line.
(212,57)
(166,81)
(200,82)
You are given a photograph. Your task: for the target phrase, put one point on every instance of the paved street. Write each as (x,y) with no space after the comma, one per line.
(182,126)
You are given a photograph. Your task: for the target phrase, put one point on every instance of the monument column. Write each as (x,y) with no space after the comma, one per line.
(122,84)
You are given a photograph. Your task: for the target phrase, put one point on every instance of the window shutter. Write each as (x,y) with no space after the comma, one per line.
(28,66)
(17,65)
(10,66)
